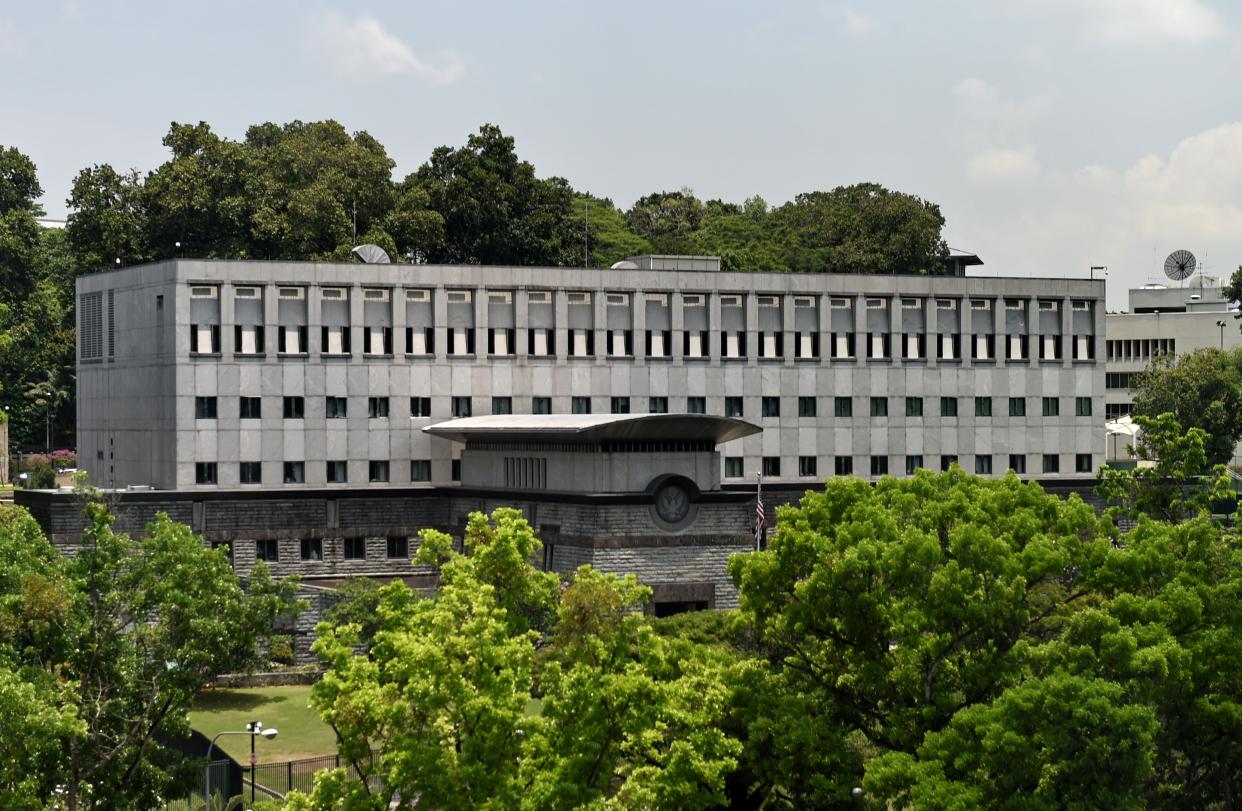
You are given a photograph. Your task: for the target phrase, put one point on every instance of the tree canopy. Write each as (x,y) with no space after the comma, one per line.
(1201,389)
(102,654)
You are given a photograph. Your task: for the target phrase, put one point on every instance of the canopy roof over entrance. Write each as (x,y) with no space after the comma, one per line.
(591,428)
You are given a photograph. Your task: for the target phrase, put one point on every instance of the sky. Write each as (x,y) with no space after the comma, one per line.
(1054,134)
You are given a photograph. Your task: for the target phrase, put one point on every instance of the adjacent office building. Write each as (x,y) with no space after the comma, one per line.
(1163,320)
(210,375)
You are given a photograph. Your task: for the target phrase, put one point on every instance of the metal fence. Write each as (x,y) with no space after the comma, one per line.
(281,778)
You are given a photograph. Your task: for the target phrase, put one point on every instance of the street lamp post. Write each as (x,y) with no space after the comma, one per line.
(252,729)
(1222,326)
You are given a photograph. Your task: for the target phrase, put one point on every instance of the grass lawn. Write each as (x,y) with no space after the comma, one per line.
(302,734)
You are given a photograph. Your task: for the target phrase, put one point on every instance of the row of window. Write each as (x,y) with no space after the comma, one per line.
(1120,380)
(206,408)
(337,472)
(808,466)
(1139,348)
(311,549)
(877,344)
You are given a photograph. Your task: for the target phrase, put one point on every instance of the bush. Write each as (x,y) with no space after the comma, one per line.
(280,650)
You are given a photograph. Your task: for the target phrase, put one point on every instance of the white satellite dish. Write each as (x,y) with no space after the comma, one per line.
(372,254)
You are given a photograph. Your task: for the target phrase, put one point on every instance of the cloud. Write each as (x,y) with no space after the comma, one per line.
(857,23)
(362,48)
(1128,217)
(985,118)
(1147,21)
(1000,164)
(8,37)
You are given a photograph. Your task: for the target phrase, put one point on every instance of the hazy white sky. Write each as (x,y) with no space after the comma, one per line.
(1054,134)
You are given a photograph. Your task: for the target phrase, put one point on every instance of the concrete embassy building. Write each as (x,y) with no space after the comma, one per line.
(206,375)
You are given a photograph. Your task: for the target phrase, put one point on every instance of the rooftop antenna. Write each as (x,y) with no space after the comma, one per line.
(355,239)
(1180,265)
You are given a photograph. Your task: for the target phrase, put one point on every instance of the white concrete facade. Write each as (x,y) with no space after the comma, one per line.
(845,373)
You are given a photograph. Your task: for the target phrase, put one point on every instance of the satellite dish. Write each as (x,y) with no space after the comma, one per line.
(1179,265)
(372,254)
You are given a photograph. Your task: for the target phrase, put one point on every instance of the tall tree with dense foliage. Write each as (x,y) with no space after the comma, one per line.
(112,646)
(1201,389)
(496,211)
(979,643)
(628,719)
(36,302)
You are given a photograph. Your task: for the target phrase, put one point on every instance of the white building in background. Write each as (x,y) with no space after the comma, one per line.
(1164,319)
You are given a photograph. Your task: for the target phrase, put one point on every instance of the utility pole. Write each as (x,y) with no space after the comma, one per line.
(586,234)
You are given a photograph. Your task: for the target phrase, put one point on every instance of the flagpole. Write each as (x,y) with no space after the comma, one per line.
(759,512)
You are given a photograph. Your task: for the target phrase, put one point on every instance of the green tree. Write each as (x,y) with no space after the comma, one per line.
(1201,389)
(609,239)
(1233,291)
(863,228)
(115,643)
(668,220)
(1178,484)
(107,219)
(628,719)
(495,210)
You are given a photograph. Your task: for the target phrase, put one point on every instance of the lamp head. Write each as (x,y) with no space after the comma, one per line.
(269,733)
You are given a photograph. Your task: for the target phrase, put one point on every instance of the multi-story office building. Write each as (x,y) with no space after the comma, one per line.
(244,374)
(1164,320)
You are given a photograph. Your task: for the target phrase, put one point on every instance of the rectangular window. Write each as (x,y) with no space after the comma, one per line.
(948,406)
(696,405)
(1052,407)
(420,470)
(1017,463)
(502,405)
(879,406)
(1082,463)
(843,406)
(462,407)
(338,472)
(267,550)
(657,405)
(983,465)
(914,406)
(250,472)
(733,406)
(879,465)
(580,405)
(336,408)
(913,463)
(806,406)
(808,466)
(294,472)
(1082,406)
(983,406)
(843,465)
(455,470)
(948,460)
(204,472)
(377,471)
(541,405)
(377,408)
(771,466)
(399,547)
(355,549)
(771,406)
(733,467)
(295,408)
(1017,406)
(205,408)
(619,405)
(312,549)
(250,408)
(1052,463)
(420,406)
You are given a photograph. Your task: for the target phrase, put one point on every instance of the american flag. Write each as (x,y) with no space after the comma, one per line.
(760,517)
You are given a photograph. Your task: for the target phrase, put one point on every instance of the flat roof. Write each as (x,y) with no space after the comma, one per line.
(588,428)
